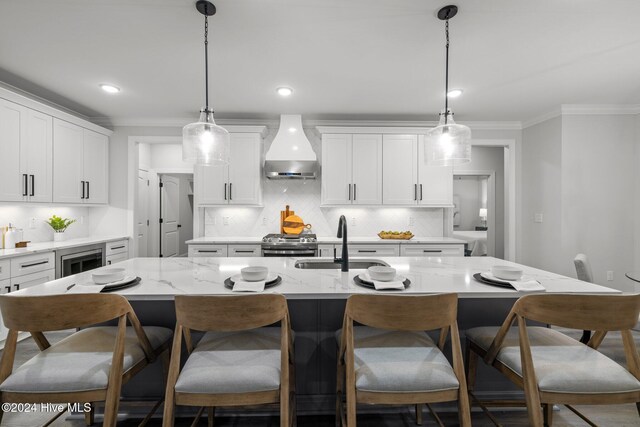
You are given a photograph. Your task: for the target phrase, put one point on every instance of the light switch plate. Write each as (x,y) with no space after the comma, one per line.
(610,276)
(537,217)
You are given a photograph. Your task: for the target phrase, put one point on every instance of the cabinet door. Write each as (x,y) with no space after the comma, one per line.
(96,164)
(244,169)
(336,169)
(211,184)
(112,259)
(244,250)
(67,162)
(207,250)
(37,149)
(431,250)
(34,279)
(367,169)
(435,183)
(13,170)
(399,169)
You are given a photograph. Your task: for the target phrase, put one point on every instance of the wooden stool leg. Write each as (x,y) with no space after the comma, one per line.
(548,414)
(470,366)
(89,416)
(211,412)
(339,391)
(419,414)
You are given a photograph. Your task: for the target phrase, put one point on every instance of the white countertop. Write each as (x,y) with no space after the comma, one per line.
(52,246)
(163,278)
(328,240)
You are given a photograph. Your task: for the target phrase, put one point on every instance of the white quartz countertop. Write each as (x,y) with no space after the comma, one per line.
(328,240)
(163,278)
(52,246)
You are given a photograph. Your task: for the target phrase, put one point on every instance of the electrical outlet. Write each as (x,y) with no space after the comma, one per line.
(353,221)
(411,221)
(264,220)
(610,276)
(225,220)
(537,217)
(32,223)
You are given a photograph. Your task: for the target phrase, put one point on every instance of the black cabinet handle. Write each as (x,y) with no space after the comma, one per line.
(420,191)
(33,185)
(34,264)
(230,191)
(225,191)
(8,288)
(207,251)
(415,191)
(25,191)
(108,262)
(87,190)
(17,287)
(82,189)
(179,225)
(435,251)
(349,191)
(244,252)
(354,192)
(367,251)
(117,247)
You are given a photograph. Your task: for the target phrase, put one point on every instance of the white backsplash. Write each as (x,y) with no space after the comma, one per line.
(303,197)
(24,215)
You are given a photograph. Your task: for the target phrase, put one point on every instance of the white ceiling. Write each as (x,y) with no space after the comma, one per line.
(345,59)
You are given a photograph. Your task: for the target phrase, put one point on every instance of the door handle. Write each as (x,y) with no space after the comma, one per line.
(33,185)
(82,189)
(179,225)
(25,191)
(225,191)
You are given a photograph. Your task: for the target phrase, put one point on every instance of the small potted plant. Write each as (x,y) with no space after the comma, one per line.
(59,226)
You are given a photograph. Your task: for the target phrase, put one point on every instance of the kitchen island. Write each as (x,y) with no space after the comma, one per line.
(316,301)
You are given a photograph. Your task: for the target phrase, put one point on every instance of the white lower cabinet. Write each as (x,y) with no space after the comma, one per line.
(112,259)
(371,250)
(5,269)
(196,251)
(325,251)
(432,250)
(244,250)
(33,279)
(29,264)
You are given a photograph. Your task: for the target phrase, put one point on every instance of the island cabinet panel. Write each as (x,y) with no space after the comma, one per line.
(399,170)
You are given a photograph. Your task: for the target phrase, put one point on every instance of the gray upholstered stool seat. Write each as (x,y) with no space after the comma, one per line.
(233,362)
(562,364)
(399,361)
(80,362)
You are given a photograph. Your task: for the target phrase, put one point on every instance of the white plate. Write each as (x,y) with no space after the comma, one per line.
(270,278)
(365,276)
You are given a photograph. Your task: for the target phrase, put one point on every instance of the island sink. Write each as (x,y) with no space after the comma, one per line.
(328,264)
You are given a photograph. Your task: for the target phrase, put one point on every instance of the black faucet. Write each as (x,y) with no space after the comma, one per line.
(342,234)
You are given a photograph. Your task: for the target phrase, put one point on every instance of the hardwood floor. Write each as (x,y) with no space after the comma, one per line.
(615,415)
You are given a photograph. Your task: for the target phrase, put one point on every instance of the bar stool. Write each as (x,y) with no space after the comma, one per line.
(553,368)
(391,360)
(88,366)
(238,362)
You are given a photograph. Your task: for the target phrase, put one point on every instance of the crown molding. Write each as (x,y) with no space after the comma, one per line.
(584,110)
(556,112)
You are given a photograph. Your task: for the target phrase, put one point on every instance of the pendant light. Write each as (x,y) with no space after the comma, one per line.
(204,142)
(448,143)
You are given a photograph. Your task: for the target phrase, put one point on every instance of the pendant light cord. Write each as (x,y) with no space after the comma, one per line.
(446,73)
(206,62)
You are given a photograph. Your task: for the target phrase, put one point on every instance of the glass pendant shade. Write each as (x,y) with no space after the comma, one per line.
(204,142)
(448,144)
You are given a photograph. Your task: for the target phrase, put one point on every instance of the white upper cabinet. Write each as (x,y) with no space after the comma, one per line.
(352,169)
(96,175)
(400,169)
(367,169)
(13,180)
(238,183)
(25,138)
(80,164)
(435,183)
(336,169)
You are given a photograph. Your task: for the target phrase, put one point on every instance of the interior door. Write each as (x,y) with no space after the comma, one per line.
(400,170)
(337,169)
(367,169)
(142,227)
(12,173)
(244,169)
(169,216)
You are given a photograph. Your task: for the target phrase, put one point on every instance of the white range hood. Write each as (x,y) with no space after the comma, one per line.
(290,155)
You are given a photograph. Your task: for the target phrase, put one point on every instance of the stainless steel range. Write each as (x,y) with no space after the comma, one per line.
(289,245)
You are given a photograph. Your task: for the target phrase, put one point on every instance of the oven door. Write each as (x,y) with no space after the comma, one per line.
(80,262)
(289,252)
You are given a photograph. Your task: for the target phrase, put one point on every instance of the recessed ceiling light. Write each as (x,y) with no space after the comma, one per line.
(454,93)
(109,88)
(284,91)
